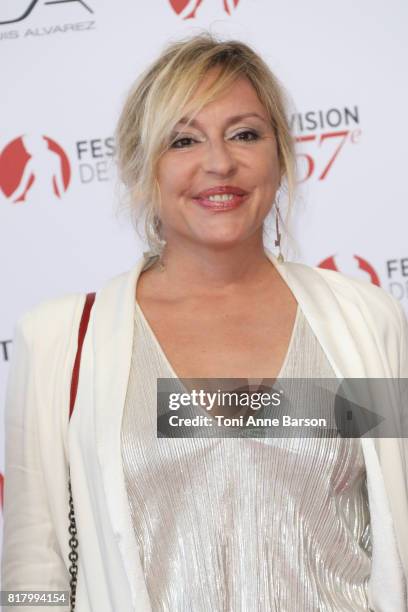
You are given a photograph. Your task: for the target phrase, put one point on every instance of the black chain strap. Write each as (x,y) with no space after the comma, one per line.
(73,543)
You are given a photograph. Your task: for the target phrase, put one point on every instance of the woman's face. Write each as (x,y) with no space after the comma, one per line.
(219,178)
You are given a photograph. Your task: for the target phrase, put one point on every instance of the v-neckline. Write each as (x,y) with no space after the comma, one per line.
(170,367)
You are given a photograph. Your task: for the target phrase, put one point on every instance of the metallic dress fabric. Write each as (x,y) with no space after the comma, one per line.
(244,525)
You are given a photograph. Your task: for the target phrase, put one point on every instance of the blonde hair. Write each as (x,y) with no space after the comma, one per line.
(158,100)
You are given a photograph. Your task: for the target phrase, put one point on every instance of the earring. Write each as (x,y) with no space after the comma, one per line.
(160,242)
(278,234)
(160,264)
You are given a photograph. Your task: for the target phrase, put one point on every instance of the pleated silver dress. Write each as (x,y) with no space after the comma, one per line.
(244,525)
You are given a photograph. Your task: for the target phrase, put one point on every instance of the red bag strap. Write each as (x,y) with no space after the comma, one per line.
(89,300)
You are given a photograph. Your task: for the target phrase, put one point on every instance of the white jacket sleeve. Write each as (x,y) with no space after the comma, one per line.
(404,344)
(403,375)
(31,556)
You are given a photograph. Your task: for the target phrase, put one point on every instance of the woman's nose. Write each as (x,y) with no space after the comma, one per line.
(219,158)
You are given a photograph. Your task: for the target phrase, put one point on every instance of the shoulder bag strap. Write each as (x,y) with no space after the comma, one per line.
(73,541)
(89,300)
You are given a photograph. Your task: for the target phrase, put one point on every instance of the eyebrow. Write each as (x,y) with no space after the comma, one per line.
(230,121)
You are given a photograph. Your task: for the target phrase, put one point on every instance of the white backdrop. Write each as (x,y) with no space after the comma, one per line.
(66,66)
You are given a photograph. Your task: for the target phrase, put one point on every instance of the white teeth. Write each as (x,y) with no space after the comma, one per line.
(225,197)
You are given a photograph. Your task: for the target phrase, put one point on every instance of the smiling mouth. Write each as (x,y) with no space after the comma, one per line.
(221,202)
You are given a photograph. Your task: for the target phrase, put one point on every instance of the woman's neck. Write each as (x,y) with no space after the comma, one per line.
(206,271)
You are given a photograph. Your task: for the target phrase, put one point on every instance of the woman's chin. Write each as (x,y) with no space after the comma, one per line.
(223,241)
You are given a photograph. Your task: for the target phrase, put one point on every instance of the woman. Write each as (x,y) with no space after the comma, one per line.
(199,524)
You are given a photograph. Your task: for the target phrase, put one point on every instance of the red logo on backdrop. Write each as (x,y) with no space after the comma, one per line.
(1,489)
(187,9)
(29,158)
(330,264)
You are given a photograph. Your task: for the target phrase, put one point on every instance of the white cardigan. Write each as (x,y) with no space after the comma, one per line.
(363,332)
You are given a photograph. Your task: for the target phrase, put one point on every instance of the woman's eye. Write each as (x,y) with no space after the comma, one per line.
(186,141)
(247,136)
(181,143)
